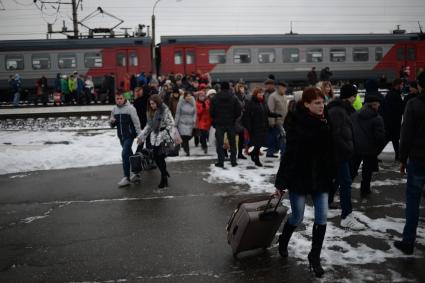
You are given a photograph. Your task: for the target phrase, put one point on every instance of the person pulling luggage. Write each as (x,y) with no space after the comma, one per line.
(307,169)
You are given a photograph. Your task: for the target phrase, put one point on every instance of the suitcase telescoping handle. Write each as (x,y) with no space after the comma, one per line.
(267,215)
(270,200)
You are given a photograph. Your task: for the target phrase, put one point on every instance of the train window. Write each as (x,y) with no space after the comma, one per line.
(337,54)
(14,62)
(40,61)
(190,57)
(217,56)
(291,55)
(266,55)
(134,60)
(242,56)
(178,58)
(379,53)
(121,62)
(361,54)
(411,55)
(67,60)
(93,60)
(314,55)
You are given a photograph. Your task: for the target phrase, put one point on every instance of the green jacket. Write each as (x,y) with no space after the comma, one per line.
(357,104)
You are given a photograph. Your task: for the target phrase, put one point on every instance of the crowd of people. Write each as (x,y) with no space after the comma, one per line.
(322,139)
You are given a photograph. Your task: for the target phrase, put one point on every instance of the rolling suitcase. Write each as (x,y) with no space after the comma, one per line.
(253,225)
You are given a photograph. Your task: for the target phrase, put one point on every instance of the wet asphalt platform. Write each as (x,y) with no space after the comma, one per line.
(75,225)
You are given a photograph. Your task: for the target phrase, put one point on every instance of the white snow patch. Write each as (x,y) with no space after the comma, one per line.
(386,182)
(24,151)
(19,176)
(337,249)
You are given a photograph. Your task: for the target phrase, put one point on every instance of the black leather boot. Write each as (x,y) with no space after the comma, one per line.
(284,238)
(257,161)
(164,181)
(316,247)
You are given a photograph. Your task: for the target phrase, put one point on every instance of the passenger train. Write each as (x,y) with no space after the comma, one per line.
(226,57)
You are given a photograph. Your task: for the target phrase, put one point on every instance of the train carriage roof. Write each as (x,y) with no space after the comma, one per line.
(288,39)
(54,44)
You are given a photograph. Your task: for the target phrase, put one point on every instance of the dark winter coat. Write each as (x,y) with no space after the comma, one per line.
(172,105)
(256,121)
(393,113)
(141,105)
(15,85)
(412,139)
(307,165)
(325,74)
(312,77)
(342,128)
(224,109)
(126,121)
(369,131)
(243,102)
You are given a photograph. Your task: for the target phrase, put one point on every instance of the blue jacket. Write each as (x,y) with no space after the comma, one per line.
(126,120)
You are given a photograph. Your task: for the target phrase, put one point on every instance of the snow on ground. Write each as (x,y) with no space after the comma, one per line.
(337,249)
(24,151)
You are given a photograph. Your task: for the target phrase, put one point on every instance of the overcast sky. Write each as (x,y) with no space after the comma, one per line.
(21,19)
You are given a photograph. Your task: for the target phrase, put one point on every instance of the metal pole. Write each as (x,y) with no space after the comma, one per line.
(153,47)
(74,18)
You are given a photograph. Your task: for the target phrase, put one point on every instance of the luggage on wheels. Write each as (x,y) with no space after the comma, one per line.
(254,224)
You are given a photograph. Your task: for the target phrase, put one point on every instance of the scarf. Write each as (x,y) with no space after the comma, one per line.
(155,123)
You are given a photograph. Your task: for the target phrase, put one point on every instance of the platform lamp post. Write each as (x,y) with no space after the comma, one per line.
(154,70)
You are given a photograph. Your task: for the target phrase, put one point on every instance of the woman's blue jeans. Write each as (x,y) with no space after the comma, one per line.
(320,201)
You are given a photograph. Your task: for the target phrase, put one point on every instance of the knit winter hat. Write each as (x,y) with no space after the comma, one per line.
(347,91)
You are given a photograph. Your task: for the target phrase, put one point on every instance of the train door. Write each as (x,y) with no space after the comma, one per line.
(184,60)
(121,67)
(127,65)
(406,60)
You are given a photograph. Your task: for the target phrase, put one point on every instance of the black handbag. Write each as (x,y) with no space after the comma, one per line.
(167,148)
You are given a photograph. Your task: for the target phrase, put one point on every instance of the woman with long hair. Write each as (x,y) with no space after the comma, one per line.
(159,125)
(327,90)
(307,169)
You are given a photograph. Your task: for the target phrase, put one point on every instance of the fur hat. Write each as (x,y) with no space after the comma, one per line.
(347,91)
(211,92)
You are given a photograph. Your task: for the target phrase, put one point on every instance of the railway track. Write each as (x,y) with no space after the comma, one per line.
(55,118)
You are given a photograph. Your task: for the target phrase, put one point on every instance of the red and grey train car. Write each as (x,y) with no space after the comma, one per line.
(289,57)
(32,59)
(231,57)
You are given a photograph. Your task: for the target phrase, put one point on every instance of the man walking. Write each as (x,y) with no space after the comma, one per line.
(224,111)
(412,158)
(312,77)
(278,104)
(340,110)
(124,117)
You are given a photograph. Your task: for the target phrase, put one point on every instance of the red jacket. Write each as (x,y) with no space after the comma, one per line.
(203,115)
